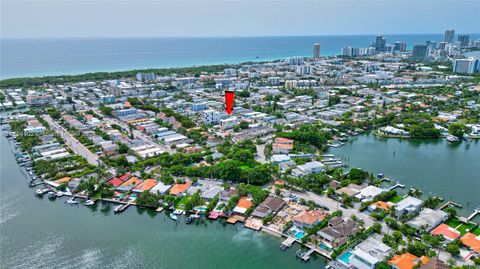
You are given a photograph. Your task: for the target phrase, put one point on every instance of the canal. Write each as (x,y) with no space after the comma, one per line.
(39,233)
(435,166)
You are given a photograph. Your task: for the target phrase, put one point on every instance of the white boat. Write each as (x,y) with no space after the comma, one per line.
(173,216)
(71,201)
(117,209)
(452,138)
(178,212)
(41,191)
(89,202)
(51,195)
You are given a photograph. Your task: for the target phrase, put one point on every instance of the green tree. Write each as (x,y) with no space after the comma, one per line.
(456,129)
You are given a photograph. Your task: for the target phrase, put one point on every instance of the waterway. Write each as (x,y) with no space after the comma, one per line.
(435,166)
(39,233)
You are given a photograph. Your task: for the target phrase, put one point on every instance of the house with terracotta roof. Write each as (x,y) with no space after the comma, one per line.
(129,184)
(406,261)
(243,205)
(63,180)
(125,176)
(446,231)
(380,205)
(309,218)
(179,189)
(145,185)
(472,241)
(115,182)
(282,146)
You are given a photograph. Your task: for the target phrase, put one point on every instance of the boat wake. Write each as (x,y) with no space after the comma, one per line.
(9,208)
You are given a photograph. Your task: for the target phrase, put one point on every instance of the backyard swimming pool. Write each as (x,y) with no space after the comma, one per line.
(345,257)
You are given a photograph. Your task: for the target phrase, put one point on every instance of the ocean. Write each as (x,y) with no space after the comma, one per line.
(43,57)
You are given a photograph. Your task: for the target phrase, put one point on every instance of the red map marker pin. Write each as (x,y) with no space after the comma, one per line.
(229,96)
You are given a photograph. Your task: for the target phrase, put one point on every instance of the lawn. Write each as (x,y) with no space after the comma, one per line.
(395,199)
(463,228)
(476,231)
(453,222)
(182,202)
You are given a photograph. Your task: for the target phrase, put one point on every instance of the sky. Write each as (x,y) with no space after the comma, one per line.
(157,18)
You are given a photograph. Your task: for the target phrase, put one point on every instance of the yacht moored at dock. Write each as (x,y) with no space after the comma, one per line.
(173,216)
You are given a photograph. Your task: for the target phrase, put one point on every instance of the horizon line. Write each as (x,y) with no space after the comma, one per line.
(224,36)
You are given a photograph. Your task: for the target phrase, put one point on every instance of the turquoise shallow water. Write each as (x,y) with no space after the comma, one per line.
(435,166)
(40,57)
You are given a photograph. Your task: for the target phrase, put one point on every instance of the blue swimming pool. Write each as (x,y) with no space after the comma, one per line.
(345,257)
(300,235)
(324,247)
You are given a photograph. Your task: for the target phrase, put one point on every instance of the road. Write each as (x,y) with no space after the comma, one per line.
(73,143)
(260,156)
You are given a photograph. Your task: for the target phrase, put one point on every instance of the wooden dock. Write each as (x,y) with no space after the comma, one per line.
(287,243)
(398,185)
(450,203)
(305,256)
(477,211)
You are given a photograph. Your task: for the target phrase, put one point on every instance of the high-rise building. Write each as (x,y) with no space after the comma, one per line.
(442,45)
(420,52)
(316,51)
(464,40)
(303,69)
(466,66)
(380,43)
(296,60)
(400,46)
(449,35)
(389,48)
(432,44)
(145,76)
(350,51)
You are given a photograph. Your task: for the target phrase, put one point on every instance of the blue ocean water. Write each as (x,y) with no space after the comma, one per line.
(41,57)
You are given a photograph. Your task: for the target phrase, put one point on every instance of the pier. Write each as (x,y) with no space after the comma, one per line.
(450,203)
(477,211)
(398,185)
(287,243)
(305,256)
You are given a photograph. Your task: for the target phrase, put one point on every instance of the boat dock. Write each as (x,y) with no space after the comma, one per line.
(450,203)
(121,208)
(477,211)
(398,185)
(287,243)
(305,256)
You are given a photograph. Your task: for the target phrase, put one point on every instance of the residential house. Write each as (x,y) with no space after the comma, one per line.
(269,207)
(369,253)
(408,205)
(435,263)
(179,189)
(472,241)
(313,167)
(338,232)
(242,206)
(406,261)
(309,218)
(446,232)
(428,219)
